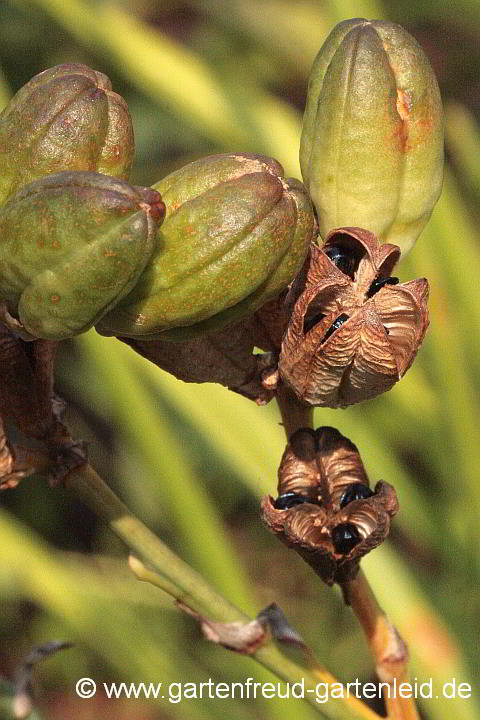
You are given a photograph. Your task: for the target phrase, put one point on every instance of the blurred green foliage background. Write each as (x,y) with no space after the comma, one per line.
(193,461)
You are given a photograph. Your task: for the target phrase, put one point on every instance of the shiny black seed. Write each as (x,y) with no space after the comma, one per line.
(342,258)
(289,500)
(335,325)
(310,322)
(355,491)
(344,537)
(378,284)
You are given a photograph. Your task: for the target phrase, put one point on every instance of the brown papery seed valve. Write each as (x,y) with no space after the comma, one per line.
(325,509)
(355,330)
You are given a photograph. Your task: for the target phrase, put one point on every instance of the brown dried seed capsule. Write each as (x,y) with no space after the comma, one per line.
(342,519)
(354,329)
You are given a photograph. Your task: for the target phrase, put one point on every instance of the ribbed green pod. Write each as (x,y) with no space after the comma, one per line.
(65,118)
(372,143)
(71,246)
(235,235)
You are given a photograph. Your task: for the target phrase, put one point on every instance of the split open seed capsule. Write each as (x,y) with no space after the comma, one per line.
(325,509)
(354,330)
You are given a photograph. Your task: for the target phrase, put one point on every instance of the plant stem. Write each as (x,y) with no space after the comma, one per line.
(183,583)
(387,647)
(294,414)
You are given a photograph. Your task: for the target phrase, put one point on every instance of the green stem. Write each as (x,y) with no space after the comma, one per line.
(183,583)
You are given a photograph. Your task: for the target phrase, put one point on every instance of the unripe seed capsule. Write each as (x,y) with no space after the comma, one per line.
(372,143)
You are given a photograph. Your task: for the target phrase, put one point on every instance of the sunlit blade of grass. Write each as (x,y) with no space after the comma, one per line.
(462,136)
(455,315)
(279,131)
(435,653)
(452,242)
(344,9)
(162,68)
(172,483)
(290,31)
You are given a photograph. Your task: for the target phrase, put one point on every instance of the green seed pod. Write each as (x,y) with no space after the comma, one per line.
(71,246)
(235,235)
(372,143)
(65,118)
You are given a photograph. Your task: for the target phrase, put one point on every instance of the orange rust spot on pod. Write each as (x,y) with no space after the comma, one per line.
(109,253)
(55,299)
(404,104)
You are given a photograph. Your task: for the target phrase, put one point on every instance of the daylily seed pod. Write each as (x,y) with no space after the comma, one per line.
(319,470)
(235,235)
(65,118)
(352,336)
(372,142)
(72,245)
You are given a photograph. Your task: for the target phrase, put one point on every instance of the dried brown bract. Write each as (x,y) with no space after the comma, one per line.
(29,408)
(26,388)
(225,357)
(325,509)
(354,330)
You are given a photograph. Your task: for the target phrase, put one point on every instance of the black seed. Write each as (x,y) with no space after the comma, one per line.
(378,284)
(309,323)
(344,537)
(289,500)
(335,325)
(355,491)
(342,259)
